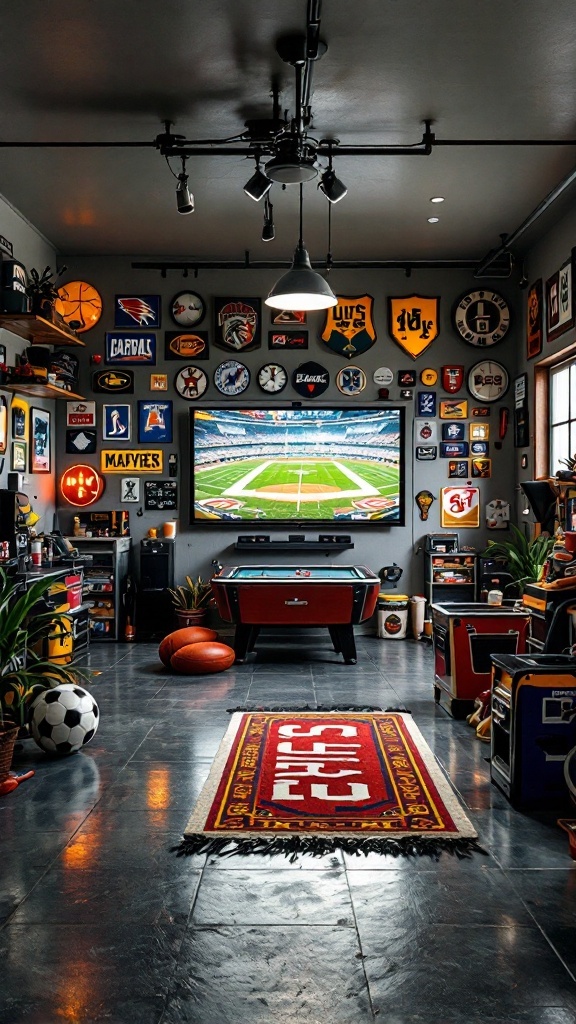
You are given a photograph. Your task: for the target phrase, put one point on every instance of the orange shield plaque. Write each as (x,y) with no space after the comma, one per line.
(349,328)
(413,322)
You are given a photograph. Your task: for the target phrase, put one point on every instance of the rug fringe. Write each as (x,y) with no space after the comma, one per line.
(320,846)
(308,707)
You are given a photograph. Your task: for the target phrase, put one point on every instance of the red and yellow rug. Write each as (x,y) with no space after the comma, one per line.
(314,782)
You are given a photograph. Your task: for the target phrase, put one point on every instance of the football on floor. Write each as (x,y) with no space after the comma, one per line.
(64,719)
(181,638)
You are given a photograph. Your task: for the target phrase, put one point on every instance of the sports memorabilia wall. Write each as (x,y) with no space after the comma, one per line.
(425,431)
(429,376)
(349,325)
(136,460)
(351,380)
(158,382)
(187,309)
(458,469)
(237,324)
(160,495)
(481,467)
(406,378)
(453,449)
(413,322)
(116,422)
(452,378)
(453,431)
(482,317)
(426,403)
(130,489)
(478,431)
(383,376)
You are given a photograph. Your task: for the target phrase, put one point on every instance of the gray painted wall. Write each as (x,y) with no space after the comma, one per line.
(196,547)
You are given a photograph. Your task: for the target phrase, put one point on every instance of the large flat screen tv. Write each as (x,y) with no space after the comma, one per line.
(323,466)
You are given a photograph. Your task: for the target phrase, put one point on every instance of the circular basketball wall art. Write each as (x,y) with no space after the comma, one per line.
(79,304)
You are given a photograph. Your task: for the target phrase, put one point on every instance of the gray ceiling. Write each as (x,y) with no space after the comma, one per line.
(112,70)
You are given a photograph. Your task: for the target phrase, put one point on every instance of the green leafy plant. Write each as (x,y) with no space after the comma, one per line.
(24,674)
(525,559)
(194,596)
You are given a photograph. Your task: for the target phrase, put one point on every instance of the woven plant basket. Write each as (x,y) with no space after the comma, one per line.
(7,741)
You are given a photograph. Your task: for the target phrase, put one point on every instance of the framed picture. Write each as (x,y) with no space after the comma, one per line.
(287,339)
(478,431)
(289,316)
(481,467)
(460,507)
(521,413)
(40,441)
(20,413)
(137,311)
(158,382)
(3,425)
(452,409)
(559,302)
(116,422)
(534,320)
(129,488)
(237,324)
(19,460)
(155,422)
(458,468)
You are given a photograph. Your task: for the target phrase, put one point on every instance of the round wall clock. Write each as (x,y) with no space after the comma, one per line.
(187,309)
(351,380)
(191,382)
(272,378)
(79,304)
(231,377)
(488,381)
(482,317)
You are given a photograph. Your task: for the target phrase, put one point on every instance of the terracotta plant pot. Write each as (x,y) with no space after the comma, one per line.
(190,617)
(7,742)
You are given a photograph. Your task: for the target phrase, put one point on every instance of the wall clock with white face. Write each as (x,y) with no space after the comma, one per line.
(231,377)
(187,309)
(482,317)
(488,381)
(272,378)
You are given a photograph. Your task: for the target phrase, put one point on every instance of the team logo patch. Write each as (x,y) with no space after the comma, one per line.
(116,381)
(137,310)
(186,345)
(351,380)
(426,403)
(349,326)
(130,348)
(406,378)
(453,431)
(452,378)
(80,414)
(413,322)
(310,379)
(453,450)
(238,324)
(81,442)
(426,452)
(425,431)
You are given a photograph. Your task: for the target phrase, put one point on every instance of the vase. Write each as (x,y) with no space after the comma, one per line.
(190,617)
(7,741)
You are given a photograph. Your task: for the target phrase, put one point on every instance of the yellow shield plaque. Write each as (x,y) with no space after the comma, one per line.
(413,322)
(349,327)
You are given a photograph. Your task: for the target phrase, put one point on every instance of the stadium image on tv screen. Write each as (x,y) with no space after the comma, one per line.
(277,466)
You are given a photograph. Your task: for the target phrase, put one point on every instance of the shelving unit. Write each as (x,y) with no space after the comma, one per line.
(103,582)
(450,577)
(43,391)
(37,329)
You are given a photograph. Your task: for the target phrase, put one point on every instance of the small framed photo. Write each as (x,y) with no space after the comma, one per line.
(534,319)
(19,459)
(158,382)
(559,302)
(481,467)
(288,339)
(20,413)
(289,316)
(41,441)
(452,409)
(155,422)
(458,469)
(129,488)
(478,431)
(116,422)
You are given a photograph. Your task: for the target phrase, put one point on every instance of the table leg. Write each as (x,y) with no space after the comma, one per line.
(243,641)
(335,638)
(347,644)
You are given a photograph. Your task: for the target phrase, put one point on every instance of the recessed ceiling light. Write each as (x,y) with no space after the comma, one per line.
(433,220)
(437,199)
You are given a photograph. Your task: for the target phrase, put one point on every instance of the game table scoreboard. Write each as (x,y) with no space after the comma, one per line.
(338,597)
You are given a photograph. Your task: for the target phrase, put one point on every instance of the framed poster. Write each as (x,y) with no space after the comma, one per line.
(81,414)
(129,488)
(126,348)
(559,302)
(20,415)
(453,409)
(137,311)
(19,459)
(521,414)
(534,320)
(155,422)
(40,443)
(237,324)
(460,507)
(116,422)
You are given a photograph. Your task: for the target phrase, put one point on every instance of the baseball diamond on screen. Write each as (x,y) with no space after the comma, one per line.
(320,465)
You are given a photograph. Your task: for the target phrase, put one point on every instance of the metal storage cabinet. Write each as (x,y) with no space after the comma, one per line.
(449,574)
(103,583)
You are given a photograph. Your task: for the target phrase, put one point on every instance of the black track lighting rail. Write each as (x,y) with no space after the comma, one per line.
(188,267)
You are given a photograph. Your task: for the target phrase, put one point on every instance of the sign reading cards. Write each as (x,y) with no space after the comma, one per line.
(349,327)
(413,322)
(130,349)
(80,414)
(138,460)
(143,310)
(460,506)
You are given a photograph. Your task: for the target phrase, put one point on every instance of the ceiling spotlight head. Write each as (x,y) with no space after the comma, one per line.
(332,187)
(268,232)
(301,287)
(258,185)
(184,198)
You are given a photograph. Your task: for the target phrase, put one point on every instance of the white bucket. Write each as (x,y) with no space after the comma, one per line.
(392,617)
(417,610)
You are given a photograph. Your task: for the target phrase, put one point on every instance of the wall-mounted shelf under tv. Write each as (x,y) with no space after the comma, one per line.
(290,545)
(42,391)
(37,329)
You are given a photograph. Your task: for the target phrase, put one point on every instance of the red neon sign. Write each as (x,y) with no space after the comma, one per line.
(81,485)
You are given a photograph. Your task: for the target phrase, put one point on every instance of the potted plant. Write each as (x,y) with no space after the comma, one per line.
(525,559)
(191,601)
(24,673)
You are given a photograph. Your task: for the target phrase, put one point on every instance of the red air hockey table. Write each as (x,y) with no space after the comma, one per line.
(336,596)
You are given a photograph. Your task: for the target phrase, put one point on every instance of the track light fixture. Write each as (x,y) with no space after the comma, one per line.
(184,197)
(268,232)
(301,287)
(258,185)
(329,184)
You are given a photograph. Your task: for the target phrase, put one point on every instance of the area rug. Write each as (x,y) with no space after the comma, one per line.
(316,782)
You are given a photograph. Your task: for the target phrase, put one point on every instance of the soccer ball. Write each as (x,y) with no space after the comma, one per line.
(64,719)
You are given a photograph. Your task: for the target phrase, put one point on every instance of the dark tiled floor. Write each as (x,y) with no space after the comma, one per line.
(100,922)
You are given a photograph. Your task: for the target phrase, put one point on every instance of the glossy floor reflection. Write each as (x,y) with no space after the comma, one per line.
(99,922)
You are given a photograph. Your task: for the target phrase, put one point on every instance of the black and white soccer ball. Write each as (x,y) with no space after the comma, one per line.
(64,719)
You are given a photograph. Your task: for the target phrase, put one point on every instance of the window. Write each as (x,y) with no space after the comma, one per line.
(562,392)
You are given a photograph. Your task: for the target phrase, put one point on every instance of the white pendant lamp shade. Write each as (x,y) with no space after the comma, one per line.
(301,287)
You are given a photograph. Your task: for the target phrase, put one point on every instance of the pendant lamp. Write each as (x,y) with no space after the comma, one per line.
(301,287)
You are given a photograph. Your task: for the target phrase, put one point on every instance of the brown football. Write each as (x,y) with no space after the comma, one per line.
(187,345)
(202,658)
(181,638)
